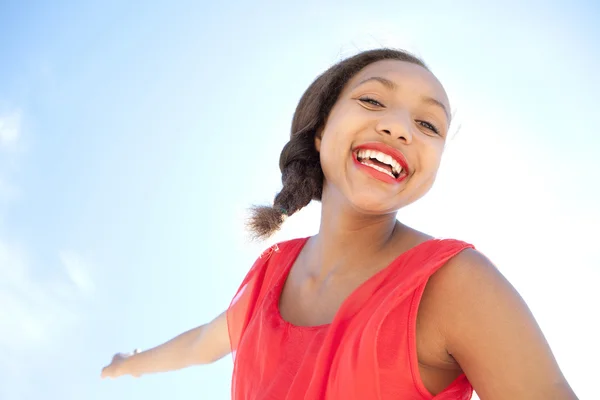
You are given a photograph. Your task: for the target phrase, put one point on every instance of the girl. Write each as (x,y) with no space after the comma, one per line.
(368,308)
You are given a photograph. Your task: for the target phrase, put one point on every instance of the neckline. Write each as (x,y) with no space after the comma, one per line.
(278,287)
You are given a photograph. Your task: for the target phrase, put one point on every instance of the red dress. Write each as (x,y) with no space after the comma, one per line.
(368,351)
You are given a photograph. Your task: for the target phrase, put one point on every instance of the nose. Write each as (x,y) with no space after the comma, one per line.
(397,125)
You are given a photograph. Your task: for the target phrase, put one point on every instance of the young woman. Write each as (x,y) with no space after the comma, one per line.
(368,308)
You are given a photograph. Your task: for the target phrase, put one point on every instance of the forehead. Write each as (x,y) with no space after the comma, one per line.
(409,77)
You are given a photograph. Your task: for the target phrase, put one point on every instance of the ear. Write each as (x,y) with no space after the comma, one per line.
(318,139)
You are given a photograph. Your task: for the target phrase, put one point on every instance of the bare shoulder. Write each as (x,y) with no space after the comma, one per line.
(469,269)
(490,332)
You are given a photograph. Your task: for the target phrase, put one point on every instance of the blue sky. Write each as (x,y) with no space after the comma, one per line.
(133,138)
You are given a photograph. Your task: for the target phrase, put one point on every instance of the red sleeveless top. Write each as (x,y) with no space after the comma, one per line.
(368,351)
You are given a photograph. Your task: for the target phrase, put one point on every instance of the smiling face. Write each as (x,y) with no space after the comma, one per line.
(382,143)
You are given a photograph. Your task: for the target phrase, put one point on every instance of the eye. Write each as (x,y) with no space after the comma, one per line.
(429,126)
(371,101)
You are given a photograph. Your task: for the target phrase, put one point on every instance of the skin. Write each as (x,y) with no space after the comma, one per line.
(470,318)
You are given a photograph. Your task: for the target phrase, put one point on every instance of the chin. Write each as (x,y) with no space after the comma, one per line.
(371,205)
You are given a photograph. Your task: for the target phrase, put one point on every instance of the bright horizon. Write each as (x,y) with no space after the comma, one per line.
(134,138)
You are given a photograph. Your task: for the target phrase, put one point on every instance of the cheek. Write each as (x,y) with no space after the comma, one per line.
(430,165)
(432,157)
(335,147)
(328,155)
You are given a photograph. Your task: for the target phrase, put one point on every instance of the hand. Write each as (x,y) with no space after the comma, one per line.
(116,367)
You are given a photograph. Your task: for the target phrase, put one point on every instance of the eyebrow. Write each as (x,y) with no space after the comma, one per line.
(384,81)
(393,86)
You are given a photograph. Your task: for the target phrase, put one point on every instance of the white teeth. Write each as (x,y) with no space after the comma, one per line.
(378,168)
(396,167)
(388,160)
(381,157)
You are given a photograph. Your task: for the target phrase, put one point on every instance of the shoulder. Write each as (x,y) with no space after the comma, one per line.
(470,279)
(281,247)
(273,256)
(287,245)
(467,266)
(468,284)
(489,330)
(453,288)
(427,245)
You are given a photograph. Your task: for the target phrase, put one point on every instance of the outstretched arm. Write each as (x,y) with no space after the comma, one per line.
(202,345)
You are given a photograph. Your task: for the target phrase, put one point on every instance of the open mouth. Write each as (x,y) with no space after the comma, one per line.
(379,161)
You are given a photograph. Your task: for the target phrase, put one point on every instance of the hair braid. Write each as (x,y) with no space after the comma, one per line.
(302,179)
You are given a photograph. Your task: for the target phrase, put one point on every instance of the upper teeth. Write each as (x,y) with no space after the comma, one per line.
(381,157)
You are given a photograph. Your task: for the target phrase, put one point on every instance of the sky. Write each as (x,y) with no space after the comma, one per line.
(133,138)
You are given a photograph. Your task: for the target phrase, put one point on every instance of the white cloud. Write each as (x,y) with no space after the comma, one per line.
(77,271)
(10,130)
(25,306)
(40,302)
(35,311)
(38,314)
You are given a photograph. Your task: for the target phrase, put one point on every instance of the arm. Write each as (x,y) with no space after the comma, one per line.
(491,333)
(202,345)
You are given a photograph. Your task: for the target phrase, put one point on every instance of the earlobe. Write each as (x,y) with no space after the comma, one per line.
(318,141)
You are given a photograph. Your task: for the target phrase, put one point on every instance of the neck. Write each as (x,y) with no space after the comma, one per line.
(348,239)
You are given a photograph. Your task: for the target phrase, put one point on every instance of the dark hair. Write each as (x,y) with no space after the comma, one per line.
(301,172)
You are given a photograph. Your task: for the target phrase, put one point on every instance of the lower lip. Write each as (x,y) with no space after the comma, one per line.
(381,176)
